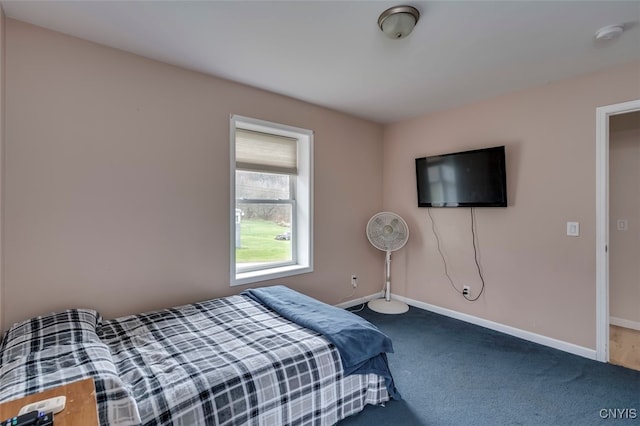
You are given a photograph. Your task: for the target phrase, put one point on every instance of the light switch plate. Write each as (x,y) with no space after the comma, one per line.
(573,229)
(622,225)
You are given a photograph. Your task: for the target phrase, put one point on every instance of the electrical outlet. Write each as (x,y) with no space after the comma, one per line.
(354,281)
(465,290)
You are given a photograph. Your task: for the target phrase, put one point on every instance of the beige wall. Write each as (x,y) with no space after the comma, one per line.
(116,190)
(117,181)
(537,278)
(2,131)
(624,203)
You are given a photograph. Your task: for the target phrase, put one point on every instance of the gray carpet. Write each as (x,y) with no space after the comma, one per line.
(453,373)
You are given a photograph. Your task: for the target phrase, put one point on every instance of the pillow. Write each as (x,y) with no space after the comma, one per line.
(60,364)
(61,328)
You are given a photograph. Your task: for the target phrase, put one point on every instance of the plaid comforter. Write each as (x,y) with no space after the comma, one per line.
(232,361)
(228,361)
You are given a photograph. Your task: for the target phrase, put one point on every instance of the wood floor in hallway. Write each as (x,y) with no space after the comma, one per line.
(624,347)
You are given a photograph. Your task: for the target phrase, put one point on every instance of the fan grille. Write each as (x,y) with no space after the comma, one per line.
(387,231)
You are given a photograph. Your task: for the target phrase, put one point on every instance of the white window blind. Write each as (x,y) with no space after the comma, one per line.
(263,152)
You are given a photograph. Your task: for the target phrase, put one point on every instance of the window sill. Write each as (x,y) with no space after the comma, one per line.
(243,278)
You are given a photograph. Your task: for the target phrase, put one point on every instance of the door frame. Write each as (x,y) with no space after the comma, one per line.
(602,221)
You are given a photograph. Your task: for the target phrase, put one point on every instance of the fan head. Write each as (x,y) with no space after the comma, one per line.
(387,231)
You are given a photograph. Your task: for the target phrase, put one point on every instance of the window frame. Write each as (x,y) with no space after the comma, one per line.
(301,199)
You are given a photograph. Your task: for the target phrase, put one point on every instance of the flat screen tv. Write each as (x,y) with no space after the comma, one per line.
(475,178)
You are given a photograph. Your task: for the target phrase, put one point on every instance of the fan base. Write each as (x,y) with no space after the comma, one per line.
(390,307)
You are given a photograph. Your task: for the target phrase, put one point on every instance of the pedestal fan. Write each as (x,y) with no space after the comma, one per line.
(388,232)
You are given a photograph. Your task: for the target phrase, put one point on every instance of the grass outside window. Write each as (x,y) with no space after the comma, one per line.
(258,242)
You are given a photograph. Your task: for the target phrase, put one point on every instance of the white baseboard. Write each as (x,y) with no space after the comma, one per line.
(512,331)
(358,301)
(621,322)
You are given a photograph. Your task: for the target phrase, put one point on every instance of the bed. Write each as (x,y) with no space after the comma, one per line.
(268,356)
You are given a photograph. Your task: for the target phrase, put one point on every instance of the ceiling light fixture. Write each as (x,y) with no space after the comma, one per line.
(398,22)
(609,32)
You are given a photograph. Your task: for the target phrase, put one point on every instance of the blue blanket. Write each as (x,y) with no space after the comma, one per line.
(361,345)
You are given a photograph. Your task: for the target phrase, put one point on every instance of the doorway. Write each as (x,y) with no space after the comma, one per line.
(603,116)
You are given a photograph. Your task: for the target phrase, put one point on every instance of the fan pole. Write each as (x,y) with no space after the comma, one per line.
(386,305)
(387,288)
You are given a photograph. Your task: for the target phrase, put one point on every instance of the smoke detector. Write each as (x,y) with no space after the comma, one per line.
(609,32)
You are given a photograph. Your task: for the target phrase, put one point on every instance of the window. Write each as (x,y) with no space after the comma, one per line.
(271,200)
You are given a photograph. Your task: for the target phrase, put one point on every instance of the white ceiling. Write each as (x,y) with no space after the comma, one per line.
(331,53)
